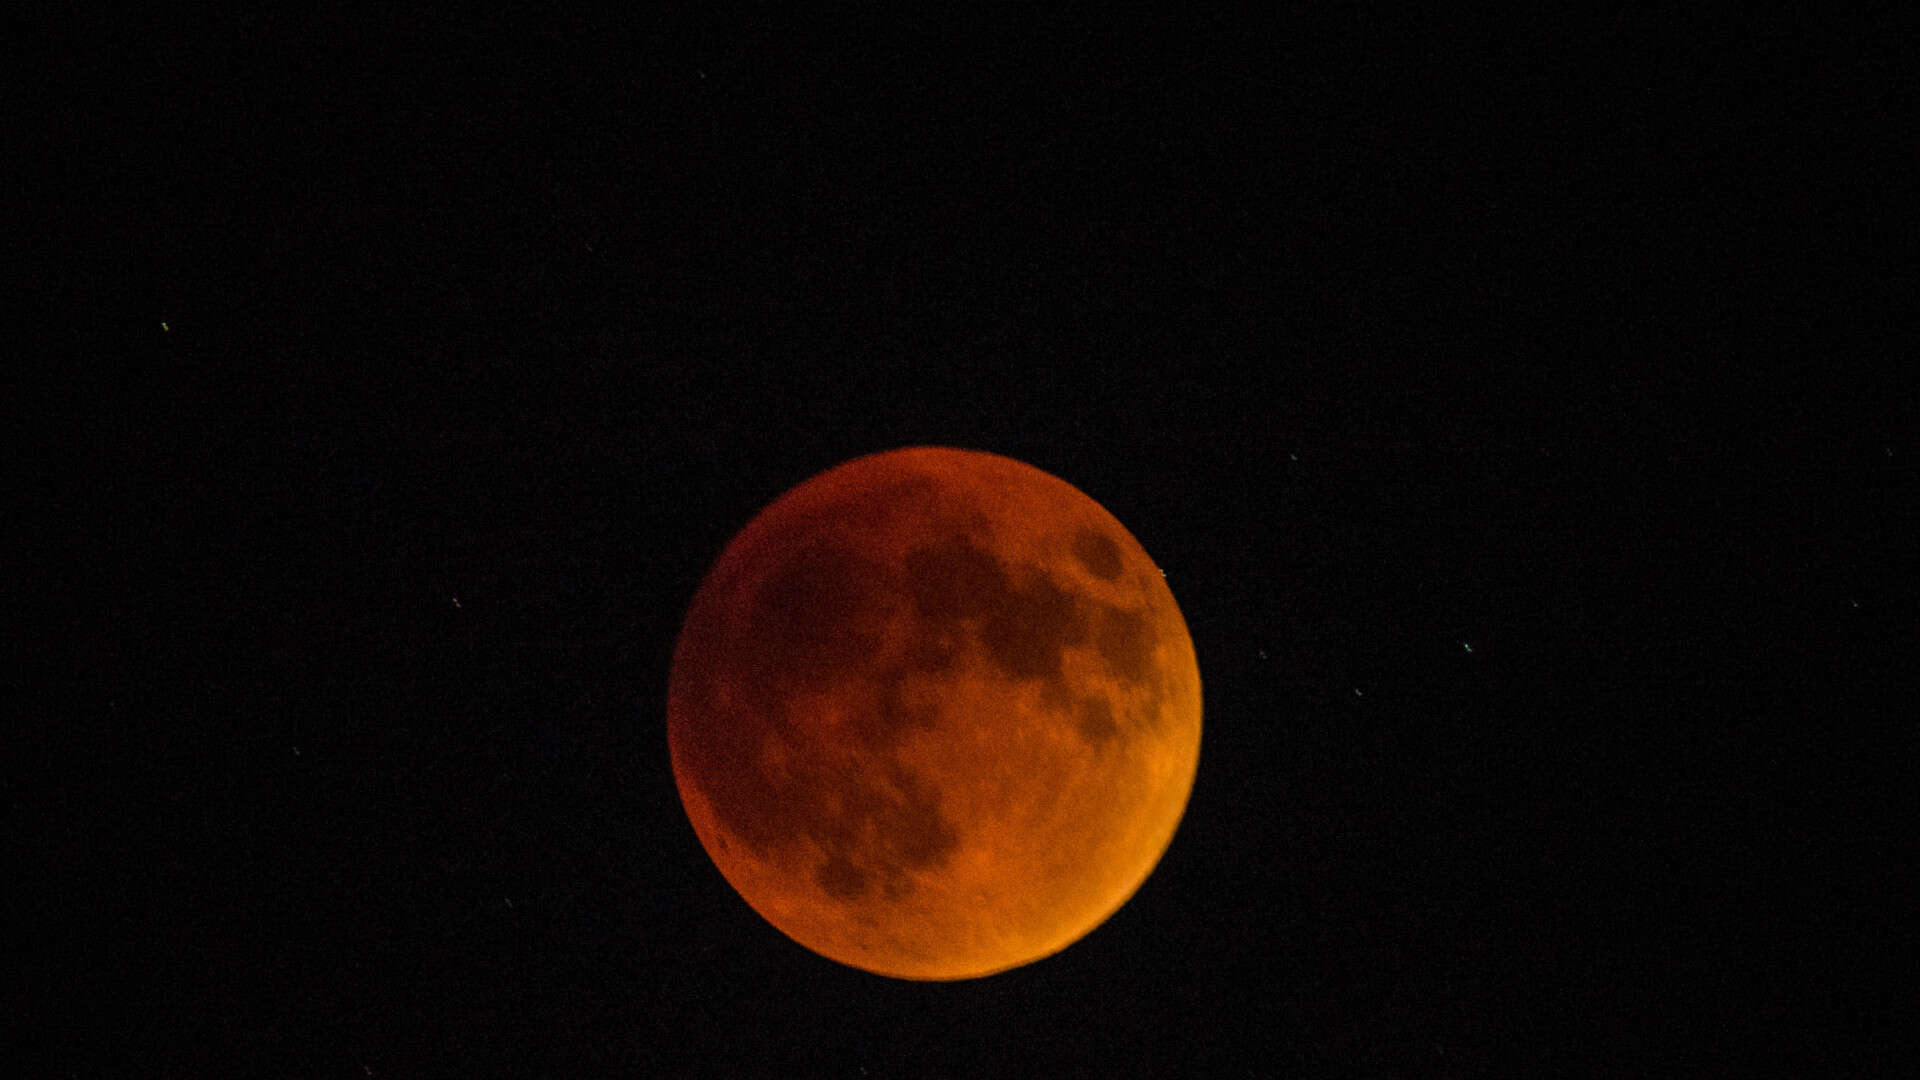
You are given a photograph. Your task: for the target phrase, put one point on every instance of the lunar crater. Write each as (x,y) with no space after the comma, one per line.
(1098,553)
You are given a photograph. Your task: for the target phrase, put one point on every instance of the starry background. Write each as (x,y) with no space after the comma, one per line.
(1520,412)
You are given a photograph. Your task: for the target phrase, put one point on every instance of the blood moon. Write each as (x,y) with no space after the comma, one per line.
(934,713)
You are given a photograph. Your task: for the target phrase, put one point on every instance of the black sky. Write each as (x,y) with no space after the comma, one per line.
(1522,413)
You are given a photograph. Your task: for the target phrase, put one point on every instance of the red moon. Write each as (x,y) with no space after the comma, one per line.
(934,714)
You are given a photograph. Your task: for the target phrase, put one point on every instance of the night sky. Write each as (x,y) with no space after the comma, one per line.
(1523,416)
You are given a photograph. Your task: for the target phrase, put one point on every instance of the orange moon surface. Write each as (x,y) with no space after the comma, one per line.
(934,714)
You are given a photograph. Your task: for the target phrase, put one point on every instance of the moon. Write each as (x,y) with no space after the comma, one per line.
(934,714)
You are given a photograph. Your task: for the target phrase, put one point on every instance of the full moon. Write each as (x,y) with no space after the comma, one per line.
(934,714)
